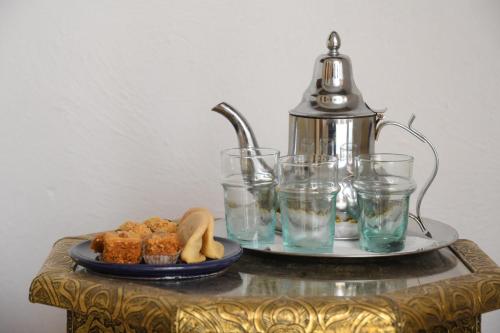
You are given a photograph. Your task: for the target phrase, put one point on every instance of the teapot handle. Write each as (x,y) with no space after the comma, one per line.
(422,138)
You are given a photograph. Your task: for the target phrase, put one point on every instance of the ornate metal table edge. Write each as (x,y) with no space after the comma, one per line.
(430,307)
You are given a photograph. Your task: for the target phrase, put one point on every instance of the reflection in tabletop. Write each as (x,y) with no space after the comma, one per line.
(268,275)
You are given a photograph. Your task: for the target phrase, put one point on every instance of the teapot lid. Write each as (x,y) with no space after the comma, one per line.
(332,92)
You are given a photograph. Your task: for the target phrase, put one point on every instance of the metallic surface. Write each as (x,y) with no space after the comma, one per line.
(252,168)
(331,114)
(332,92)
(417,217)
(333,43)
(246,138)
(441,291)
(443,236)
(328,135)
(78,323)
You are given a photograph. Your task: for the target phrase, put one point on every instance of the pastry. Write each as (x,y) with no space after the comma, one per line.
(138,228)
(211,248)
(196,222)
(122,247)
(161,241)
(97,243)
(156,224)
(161,248)
(191,228)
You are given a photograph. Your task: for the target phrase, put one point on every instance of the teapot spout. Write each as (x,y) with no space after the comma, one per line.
(254,168)
(246,138)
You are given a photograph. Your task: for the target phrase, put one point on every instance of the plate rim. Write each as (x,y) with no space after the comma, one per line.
(155,269)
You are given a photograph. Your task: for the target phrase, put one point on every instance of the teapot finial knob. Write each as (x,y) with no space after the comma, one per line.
(333,43)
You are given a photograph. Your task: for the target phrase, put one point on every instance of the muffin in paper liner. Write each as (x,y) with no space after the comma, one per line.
(161,248)
(157,259)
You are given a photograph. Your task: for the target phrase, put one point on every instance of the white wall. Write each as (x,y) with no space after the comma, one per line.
(104,110)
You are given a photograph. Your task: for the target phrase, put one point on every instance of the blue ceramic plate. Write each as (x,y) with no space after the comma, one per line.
(84,256)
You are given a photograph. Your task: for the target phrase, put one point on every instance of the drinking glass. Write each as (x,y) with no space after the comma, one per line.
(307,192)
(249,182)
(347,201)
(383,183)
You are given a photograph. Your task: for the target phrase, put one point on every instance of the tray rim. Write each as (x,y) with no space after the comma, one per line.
(369,255)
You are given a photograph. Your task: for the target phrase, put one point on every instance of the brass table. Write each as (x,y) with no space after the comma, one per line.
(440,291)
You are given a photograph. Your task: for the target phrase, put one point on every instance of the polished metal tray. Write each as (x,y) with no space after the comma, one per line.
(443,235)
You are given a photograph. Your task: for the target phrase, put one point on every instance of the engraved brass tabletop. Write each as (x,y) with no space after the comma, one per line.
(440,291)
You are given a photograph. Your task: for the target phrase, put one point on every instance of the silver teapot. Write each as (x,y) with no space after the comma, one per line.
(333,119)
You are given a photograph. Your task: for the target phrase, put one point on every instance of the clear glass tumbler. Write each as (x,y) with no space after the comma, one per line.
(307,193)
(383,183)
(250,200)
(347,201)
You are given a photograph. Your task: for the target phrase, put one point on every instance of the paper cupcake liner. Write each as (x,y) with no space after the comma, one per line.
(161,259)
